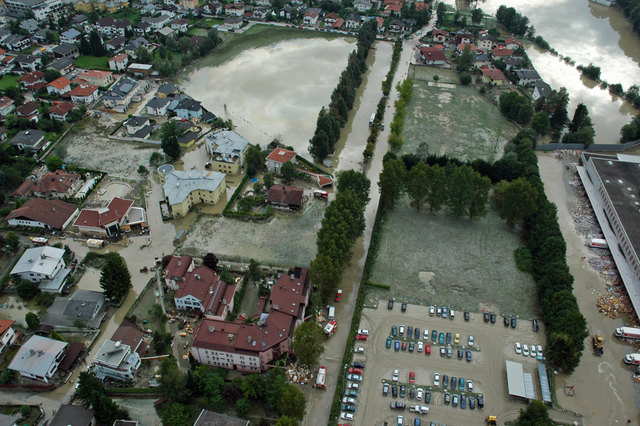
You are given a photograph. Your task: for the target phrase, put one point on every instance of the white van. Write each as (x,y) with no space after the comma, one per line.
(332,312)
(372,119)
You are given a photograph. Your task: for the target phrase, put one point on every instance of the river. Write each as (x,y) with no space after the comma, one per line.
(587,33)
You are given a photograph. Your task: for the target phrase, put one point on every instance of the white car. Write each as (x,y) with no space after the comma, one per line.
(347,400)
(452,314)
(439,311)
(400,420)
(420,346)
(363,331)
(425,335)
(432,310)
(532,348)
(395,376)
(539,351)
(353,386)
(471,340)
(470,385)
(436,379)
(525,350)
(419,394)
(401,330)
(359,350)
(518,348)
(423,409)
(346,416)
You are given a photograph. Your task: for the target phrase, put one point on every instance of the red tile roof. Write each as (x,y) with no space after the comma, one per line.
(289,295)
(83,90)
(177,267)
(422,5)
(492,73)
(58,182)
(129,334)
(338,24)
(502,51)
(281,155)
(117,209)
(54,213)
(283,194)
(433,54)
(5,101)
(472,47)
(27,109)
(32,77)
(120,57)
(94,74)
(512,40)
(4,325)
(206,286)
(331,15)
(59,83)
(61,108)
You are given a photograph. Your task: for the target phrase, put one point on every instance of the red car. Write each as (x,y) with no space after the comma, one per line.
(427,349)
(412,377)
(355,370)
(361,337)
(404,346)
(339,295)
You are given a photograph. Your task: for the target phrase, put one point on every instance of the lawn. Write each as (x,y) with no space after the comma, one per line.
(93,62)
(34,413)
(453,119)
(465,264)
(8,81)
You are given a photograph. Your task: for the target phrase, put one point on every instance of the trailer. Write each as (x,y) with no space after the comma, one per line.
(39,241)
(598,243)
(93,243)
(627,333)
(321,377)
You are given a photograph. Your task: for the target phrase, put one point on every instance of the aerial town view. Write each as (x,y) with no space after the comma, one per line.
(336,212)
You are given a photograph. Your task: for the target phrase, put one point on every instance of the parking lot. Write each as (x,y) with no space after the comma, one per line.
(493,344)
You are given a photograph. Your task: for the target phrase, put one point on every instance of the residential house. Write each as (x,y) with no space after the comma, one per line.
(432,56)
(439,36)
(29,25)
(460,48)
(44,214)
(131,47)
(188,109)
(28,62)
(3,134)
(129,334)
(135,123)
(494,76)
(84,94)
(527,77)
(121,94)
(260,13)
(156,22)
(110,26)
(158,106)
(330,19)
(463,36)
(392,8)
(380,22)
(165,31)
(481,60)
(66,49)
(362,5)
(60,111)
(118,216)
(59,86)
(139,70)
(142,29)
(29,111)
(7,334)
(41,35)
(43,265)
(213,8)
(227,151)
(232,22)
(396,26)
(184,189)
(73,415)
(79,21)
(234,9)
(286,12)
(63,65)
(501,52)
(71,36)
(352,21)
(251,347)
(38,358)
(204,290)
(180,25)
(83,305)
(115,44)
(17,42)
(119,62)
(7,105)
(265,3)
(512,62)
(189,4)
(541,90)
(513,44)
(33,81)
(486,42)
(116,360)
(29,141)
(310,18)
(177,270)
(285,197)
(210,418)
(96,77)
(338,25)
(278,157)
(166,90)
(58,184)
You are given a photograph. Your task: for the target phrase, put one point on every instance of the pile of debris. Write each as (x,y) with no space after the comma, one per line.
(298,374)
(614,303)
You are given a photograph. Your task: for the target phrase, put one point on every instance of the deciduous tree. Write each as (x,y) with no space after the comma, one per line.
(391,183)
(293,401)
(27,290)
(417,185)
(308,343)
(255,160)
(169,139)
(356,181)
(210,261)
(32,321)
(288,172)
(115,278)
(174,384)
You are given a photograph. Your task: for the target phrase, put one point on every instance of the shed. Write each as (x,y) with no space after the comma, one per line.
(544,383)
(515,379)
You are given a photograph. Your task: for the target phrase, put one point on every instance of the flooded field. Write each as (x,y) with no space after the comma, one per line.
(440,116)
(273,91)
(454,262)
(14,308)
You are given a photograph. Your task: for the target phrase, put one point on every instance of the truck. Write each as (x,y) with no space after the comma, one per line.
(372,119)
(332,313)
(95,243)
(330,328)
(320,378)
(598,243)
(632,359)
(627,333)
(597,344)
(39,241)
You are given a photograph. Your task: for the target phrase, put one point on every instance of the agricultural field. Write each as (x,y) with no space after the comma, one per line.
(453,119)
(462,263)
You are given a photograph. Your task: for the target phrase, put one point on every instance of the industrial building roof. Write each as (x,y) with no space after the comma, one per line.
(515,379)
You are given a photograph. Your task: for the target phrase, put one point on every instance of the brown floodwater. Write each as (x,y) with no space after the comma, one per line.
(587,33)
(273,91)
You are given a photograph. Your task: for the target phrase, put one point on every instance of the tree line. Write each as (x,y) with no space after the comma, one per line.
(405,90)
(459,189)
(342,224)
(332,119)
(631,9)
(513,21)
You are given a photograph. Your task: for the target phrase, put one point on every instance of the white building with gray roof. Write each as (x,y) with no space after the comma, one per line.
(116,360)
(39,358)
(227,150)
(183,189)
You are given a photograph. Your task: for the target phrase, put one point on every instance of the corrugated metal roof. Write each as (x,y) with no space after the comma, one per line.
(515,379)
(528,386)
(544,383)
(37,355)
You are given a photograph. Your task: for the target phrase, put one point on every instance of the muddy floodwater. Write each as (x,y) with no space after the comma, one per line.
(587,33)
(273,91)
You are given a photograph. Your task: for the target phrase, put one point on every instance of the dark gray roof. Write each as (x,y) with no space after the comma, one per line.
(188,137)
(136,121)
(82,304)
(189,104)
(543,88)
(121,89)
(167,88)
(144,132)
(27,137)
(65,48)
(26,59)
(117,41)
(353,17)
(158,102)
(78,19)
(527,74)
(62,63)
(72,415)
(14,38)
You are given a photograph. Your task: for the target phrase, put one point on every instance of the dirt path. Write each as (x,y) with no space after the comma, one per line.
(605,391)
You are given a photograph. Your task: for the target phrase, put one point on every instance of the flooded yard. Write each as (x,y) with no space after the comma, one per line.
(465,264)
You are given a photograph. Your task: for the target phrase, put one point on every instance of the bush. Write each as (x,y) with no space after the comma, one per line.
(465,78)
(523,259)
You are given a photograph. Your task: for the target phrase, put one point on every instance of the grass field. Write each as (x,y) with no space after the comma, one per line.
(8,81)
(453,120)
(465,264)
(92,62)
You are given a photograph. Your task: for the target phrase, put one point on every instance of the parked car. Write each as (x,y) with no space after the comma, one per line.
(427,349)
(420,346)
(525,350)
(432,310)
(396,345)
(354,386)
(438,312)
(534,325)
(401,330)
(388,344)
(348,408)
(505,320)
(463,401)
(412,393)
(409,331)
(448,337)
(441,339)
(419,394)
(480,401)
(394,391)
(358,350)
(436,379)
(394,330)
(455,399)
(445,311)
(518,348)
(403,308)
(471,340)
(460,353)
(425,335)
(411,346)
(461,384)
(443,351)
(434,335)
(472,403)
(493,318)
(404,346)
(449,351)
(445,381)
(338,295)
(354,377)
(470,385)
(390,305)
(454,383)
(346,416)
(397,405)
(532,350)
(385,390)
(361,337)
(395,375)
(485,316)
(513,322)
(358,364)
(539,351)
(347,400)
(412,377)
(416,333)
(466,316)
(456,338)
(427,397)
(355,370)
(363,331)
(447,398)
(452,313)
(351,393)
(403,391)
(468,355)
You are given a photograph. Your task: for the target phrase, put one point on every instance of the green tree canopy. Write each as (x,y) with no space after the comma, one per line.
(169,139)
(27,290)
(255,160)
(356,181)
(293,401)
(174,384)
(465,61)
(253,386)
(517,200)
(536,414)
(288,172)
(418,185)
(391,183)
(32,321)
(308,342)
(54,163)
(176,414)
(92,394)
(115,278)
(242,407)
(540,123)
